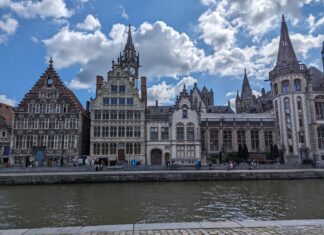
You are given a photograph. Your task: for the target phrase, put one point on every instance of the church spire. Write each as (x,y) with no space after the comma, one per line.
(286,53)
(246,91)
(129,44)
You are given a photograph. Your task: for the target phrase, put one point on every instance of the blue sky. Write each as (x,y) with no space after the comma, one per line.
(180,42)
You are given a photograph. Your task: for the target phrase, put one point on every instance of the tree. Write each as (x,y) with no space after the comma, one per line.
(240,153)
(245,153)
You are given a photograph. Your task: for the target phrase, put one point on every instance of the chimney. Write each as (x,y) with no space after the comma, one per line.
(88,106)
(143,91)
(99,83)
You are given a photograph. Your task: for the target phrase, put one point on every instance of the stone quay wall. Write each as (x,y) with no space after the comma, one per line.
(156,176)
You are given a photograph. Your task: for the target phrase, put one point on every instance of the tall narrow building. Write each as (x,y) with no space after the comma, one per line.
(117,112)
(50,125)
(6,113)
(291,86)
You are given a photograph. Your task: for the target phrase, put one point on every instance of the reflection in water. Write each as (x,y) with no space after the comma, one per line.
(94,204)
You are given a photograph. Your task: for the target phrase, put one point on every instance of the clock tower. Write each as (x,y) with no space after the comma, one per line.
(129,60)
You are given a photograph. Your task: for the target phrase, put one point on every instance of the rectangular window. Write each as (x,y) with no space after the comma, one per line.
(129,131)
(180,151)
(191,151)
(105,115)
(104,148)
(113,101)
(130,101)
(129,115)
(319,107)
(113,131)
(297,85)
(105,131)
(137,148)
(190,132)
(105,101)
(113,115)
(285,86)
(113,148)
(137,115)
(129,148)
(114,88)
(154,133)
(301,137)
(137,131)
(121,101)
(122,88)
(121,131)
(97,115)
(121,115)
(96,131)
(96,148)
(164,133)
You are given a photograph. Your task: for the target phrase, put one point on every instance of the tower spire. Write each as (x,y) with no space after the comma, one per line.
(286,53)
(246,91)
(322,52)
(129,44)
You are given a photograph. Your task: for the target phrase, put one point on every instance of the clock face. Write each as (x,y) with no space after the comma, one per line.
(132,70)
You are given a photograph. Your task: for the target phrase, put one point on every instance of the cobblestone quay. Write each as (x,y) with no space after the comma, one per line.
(156,176)
(289,227)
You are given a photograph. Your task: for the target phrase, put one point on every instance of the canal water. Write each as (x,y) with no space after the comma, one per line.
(124,203)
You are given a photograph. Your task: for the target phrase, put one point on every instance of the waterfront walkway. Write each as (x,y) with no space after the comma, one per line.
(156,176)
(285,227)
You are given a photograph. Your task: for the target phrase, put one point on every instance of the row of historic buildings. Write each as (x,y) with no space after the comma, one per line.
(50,126)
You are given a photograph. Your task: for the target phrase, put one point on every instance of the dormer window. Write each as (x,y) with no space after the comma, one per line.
(184,113)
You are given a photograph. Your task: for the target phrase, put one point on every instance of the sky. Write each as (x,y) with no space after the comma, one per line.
(180,42)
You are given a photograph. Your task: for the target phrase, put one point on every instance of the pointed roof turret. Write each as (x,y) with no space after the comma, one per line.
(204,90)
(322,52)
(246,91)
(286,53)
(129,44)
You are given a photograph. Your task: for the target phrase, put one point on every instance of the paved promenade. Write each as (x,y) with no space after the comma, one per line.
(285,227)
(156,176)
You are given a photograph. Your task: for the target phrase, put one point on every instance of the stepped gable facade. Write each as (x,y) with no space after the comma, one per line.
(6,114)
(118,112)
(50,125)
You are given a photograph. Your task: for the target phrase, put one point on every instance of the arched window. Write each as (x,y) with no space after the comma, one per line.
(190,131)
(320,137)
(319,107)
(255,143)
(297,85)
(275,89)
(286,103)
(227,140)
(180,131)
(285,86)
(213,138)
(241,137)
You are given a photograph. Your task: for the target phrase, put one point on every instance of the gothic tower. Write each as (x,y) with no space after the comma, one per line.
(290,85)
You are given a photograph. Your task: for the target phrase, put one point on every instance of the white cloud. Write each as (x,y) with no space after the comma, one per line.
(34,39)
(8,24)
(123,12)
(315,24)
(5,100)
(90,23)
(77,85)
(33,9)
(164,51)
(8,27)
(231,93)
(256,93)
(166,93)
(216,30)
(208,2)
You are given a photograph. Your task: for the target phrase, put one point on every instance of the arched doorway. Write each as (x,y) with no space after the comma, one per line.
(121,155)
(156,157)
